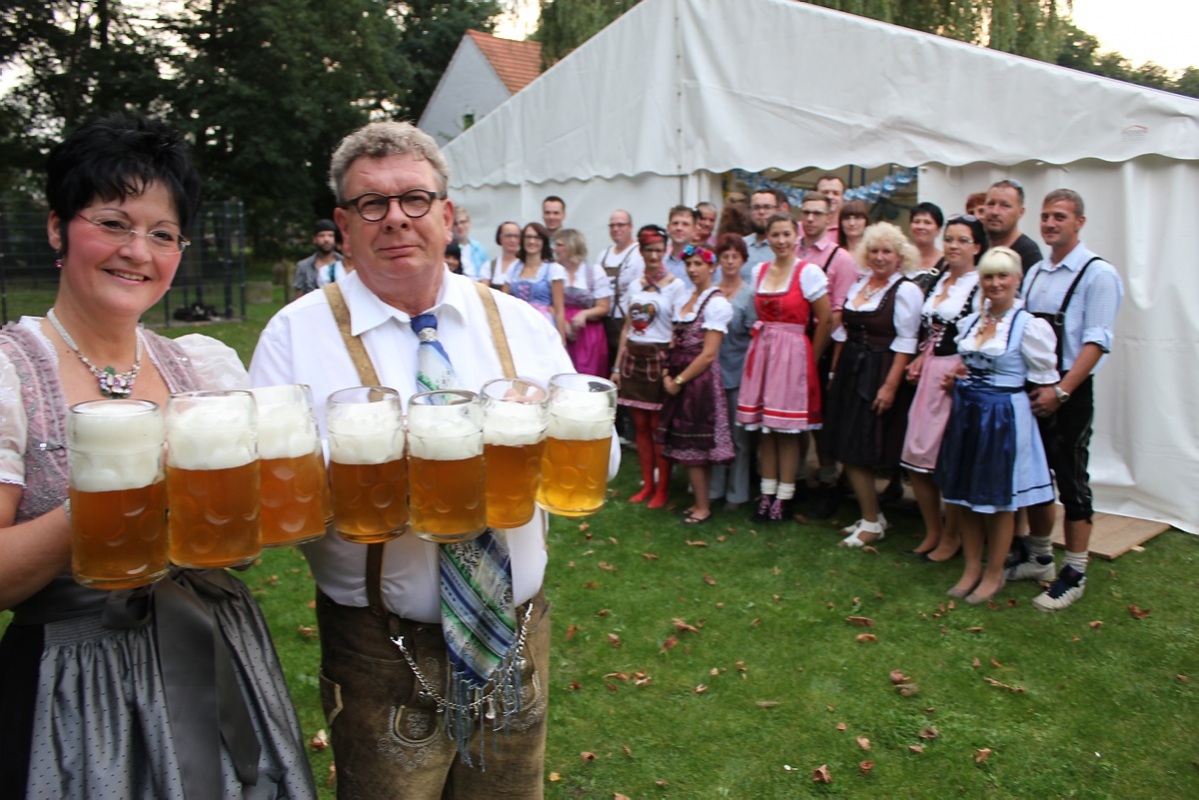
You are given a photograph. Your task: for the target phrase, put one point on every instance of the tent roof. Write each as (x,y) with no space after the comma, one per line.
(677,86)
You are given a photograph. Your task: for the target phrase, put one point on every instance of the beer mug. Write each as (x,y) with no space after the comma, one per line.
(574,469)
(212,479)
(291,466)
(118,493)
(367,471)
(514,420)
(445,457)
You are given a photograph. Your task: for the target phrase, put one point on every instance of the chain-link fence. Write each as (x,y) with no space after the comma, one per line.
(210,283)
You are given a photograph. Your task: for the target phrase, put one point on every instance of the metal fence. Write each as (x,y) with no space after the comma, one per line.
(210,283)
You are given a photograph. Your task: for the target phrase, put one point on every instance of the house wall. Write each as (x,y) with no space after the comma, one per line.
(469,86)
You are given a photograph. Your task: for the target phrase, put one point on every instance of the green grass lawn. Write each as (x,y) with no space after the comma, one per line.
(720,661)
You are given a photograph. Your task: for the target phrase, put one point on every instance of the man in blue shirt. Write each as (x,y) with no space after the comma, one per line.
(1079,294)
(474,257)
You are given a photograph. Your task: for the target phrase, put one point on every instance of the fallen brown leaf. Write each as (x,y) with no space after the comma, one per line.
(708,579)
(312,604)
(1138,612)
(863,742)
(662,783)
(866,638)
(767,703)
(864,622)
(822,775)
(842,726)
(1182,677)
(590,585)
(916,748)
(620,676)
(307,631)
(908,689)
(976,663)
(869,548)
(571,631)
(865,767)
(898,677)
(586,756)
(575,686)
(1096,624)
(320,741)
(998,685)
(612,539)
(649,556)
(700,689)
(603,612)
(611,687)
(584,526)
(606,567)
(755,622)
(682,626)
(332,775)
(975,629)
(627,751)
(982,755)
(555,777)
(929,733)
(670,642)
(995,663)
(696,543)
(613,640)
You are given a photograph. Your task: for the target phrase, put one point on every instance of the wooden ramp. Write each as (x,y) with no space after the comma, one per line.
(1113,535)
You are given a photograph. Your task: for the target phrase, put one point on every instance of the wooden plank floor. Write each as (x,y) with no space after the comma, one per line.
(1113,535)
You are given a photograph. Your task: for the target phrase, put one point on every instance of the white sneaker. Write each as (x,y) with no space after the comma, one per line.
(1064,591)
(1036,568)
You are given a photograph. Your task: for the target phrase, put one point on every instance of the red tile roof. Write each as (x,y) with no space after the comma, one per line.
(517,63)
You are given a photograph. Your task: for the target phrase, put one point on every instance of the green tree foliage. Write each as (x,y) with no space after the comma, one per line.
(430,32)
(566,24)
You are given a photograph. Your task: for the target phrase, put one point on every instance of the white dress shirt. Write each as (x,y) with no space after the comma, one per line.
(301,344)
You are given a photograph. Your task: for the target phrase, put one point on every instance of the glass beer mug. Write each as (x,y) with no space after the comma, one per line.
(291,466)
(445,458)
(514,420)
(368,474)
(574,469)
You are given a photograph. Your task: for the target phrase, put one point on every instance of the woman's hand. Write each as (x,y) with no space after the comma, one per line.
(671,385)
(615,377)
(949,379)
(883,400)
(912,373)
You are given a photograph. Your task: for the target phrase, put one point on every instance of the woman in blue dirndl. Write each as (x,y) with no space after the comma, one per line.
(992,461)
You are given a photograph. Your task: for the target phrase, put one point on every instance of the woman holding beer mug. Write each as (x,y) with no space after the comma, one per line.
(154,692)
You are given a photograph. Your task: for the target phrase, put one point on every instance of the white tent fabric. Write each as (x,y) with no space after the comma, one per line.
(651,110)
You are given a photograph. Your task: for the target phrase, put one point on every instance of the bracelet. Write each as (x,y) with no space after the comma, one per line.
(678,381)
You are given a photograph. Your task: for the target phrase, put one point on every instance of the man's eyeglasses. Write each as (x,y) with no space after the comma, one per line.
(120,233)
(372,206)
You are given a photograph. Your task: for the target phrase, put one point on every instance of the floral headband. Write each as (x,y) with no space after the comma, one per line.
(705,255)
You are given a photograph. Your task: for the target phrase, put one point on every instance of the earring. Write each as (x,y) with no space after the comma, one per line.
(58,262)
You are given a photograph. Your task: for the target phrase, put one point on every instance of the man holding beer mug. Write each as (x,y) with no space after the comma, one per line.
(390,181)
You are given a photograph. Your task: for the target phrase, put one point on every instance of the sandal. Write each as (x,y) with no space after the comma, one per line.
(855,539)
(691,519)
(850,530)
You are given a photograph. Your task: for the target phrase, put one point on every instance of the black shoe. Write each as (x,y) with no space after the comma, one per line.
(825,503)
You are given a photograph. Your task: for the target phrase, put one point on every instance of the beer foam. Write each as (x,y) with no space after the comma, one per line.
(285,428)
(514,424)
(365,433)
(115,446)
(214,435)
(447,438)
(581,415)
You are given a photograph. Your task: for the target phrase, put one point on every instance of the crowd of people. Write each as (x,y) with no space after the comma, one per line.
(738,338)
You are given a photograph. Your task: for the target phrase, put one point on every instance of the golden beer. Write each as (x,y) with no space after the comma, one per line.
(117,491)
(214,520)
(326,492)
(512,476)
(574,476)
(119,538)
(448,498)
(370,501)
(290,499)
(291,464)
(574,470)
(213,479)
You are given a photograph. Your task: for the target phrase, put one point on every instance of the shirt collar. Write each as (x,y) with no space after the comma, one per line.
(1073,260)
(368,312)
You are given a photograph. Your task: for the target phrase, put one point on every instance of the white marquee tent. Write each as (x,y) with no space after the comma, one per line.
(652,110)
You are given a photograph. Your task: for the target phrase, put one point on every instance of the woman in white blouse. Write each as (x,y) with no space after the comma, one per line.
(992,461)
(507,236)
(948,301)
(588,297)
(868,400)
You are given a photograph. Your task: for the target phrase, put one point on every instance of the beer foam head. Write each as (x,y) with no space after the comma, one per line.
(581,415)
(115,444)
(365,433)
(218,433)
(514,424)
(445,437)
(285,428)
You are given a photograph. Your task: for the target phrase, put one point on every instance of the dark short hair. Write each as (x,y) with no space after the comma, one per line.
(977,231)
(1070,196)
(933,210)
(547,248)
(452,249)
(784,218)
(323,225)
(731,241)
(555,199)
(680,209)
(780,196)
(499,230)
(828,176)
(116,157)
(818,197)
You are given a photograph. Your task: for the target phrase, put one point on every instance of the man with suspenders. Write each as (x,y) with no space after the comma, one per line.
(1079,294)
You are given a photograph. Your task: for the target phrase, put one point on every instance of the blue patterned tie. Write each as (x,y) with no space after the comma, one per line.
(478,615)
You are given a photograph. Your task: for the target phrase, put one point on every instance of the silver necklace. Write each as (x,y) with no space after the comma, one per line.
(112,384)
(868,293)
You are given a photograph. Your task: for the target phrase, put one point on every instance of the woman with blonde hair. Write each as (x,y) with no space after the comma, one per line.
(586,301)
(868,399)
(992,461)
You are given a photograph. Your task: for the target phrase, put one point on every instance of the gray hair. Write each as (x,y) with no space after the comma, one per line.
(892,235)
(381,139)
